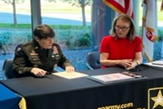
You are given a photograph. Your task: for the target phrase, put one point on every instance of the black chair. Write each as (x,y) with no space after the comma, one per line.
(7,69)
(93,60)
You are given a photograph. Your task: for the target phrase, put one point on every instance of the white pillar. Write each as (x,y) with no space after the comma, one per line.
(136,9)
(35,13)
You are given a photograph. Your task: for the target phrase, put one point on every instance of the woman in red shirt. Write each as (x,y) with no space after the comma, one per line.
(122,47)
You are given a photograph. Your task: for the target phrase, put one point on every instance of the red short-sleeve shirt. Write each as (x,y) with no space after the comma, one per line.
(121,48)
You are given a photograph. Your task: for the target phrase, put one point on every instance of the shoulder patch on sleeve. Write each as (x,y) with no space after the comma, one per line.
(18,48)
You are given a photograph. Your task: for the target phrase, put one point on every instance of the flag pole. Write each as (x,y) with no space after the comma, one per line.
(143,27)
(136,13)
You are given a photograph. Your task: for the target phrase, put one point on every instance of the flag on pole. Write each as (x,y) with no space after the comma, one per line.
(149,24)
(121,6)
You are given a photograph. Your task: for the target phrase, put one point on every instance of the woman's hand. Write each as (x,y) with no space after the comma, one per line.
(125,62)
(70,69)
(128,64)
(131,65)
(38,72)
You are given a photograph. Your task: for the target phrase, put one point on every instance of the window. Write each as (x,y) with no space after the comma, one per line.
(15,28)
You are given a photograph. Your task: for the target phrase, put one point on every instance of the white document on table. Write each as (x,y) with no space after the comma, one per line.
(158,63)
(71,75)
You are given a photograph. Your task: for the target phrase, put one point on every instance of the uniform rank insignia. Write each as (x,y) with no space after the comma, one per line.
(33,53)
(55,50)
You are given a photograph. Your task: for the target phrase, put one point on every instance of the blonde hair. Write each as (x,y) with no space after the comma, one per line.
(131,33)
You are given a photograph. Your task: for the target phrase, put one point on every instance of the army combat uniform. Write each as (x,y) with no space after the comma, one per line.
(30,55)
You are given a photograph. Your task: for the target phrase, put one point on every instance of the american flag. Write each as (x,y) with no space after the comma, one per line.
(162,6)
(121,6)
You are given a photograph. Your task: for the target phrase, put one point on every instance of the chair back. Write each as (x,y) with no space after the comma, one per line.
(7,68)
(93,60)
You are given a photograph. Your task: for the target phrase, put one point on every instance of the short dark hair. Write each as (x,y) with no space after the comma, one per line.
(43,32)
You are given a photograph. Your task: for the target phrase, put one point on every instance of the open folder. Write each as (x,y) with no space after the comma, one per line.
(107,78)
